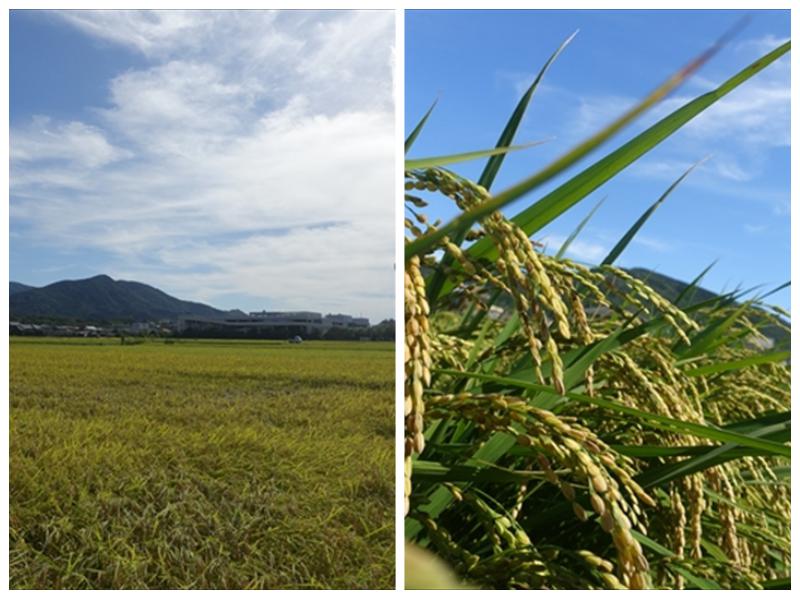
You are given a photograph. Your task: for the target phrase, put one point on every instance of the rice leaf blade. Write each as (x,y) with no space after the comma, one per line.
(465,156)
(739,364)
(418,129)
(568,241)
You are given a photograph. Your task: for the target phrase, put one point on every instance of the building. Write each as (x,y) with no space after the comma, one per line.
(285,318)
(345,321)
(286,324)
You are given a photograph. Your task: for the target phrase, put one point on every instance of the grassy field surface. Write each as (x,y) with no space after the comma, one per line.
(211,464)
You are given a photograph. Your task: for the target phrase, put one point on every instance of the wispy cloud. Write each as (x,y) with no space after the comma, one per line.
(755,229)
(722,166)
(595,112)
(652,243)
(760,45)
(580,249)
(76,143)
(241,121)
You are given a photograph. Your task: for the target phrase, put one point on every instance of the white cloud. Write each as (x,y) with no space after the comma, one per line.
(757,114)
(304,269)
(761,45)
(731,169)
(162,33)
(580,249)
(191,102)
(754,116)
(722,166)
(77,143)
(651,243)
(594,113)
(665,169)
(755,229)
(255,148)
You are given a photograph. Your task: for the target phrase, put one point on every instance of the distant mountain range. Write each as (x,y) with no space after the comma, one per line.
(100,298)
(18,287)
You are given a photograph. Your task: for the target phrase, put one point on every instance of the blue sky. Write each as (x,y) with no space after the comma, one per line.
(734,208)
(240,158)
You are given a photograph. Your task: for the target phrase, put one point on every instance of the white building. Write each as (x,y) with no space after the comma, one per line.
(345,321)
(288,322)
(285,318)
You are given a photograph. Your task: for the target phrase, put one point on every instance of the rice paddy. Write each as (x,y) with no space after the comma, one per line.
(201,465)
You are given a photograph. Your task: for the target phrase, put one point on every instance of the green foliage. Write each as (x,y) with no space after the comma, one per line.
(203,465)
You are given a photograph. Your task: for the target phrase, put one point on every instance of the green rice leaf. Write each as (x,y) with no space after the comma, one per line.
(418,129)
(429,470)
(464,156)
(507,136)
(689,291)
(739,364)
(777,584)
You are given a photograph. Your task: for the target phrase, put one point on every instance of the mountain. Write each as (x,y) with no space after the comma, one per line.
(101,298)
(14,287)
(670,288)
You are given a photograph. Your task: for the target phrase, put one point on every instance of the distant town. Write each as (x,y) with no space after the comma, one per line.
(236,324)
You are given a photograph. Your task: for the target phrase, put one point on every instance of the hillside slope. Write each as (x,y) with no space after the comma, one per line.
(102,298)
(14,287)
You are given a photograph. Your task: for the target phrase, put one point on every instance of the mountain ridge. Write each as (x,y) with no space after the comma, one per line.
(100,298)
(15,287)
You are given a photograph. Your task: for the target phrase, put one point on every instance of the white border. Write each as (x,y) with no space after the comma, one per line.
(795,265)
(399,119)
(4,299)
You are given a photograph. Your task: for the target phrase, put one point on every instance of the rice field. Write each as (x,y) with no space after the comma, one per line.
(201,465)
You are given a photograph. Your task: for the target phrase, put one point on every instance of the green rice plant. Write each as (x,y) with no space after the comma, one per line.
(567,426)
